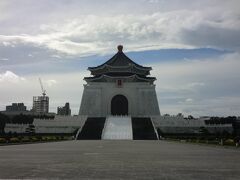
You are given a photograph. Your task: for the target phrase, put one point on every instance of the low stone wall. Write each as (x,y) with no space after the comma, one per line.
(179,125)
(58,125)
(16,128)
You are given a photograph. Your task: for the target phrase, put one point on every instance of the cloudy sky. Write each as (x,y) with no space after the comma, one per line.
(193,47)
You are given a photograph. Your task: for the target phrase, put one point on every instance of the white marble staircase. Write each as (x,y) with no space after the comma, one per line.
(118,127)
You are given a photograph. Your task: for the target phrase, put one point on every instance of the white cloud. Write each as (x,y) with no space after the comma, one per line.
(94,34)
(4,59)
(51,82)
(6,43)
(154,1)
(9,76)
(202,87)
(189,100)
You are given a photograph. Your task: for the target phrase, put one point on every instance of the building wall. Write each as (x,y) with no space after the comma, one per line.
(40,104)
(96,99)
(60,124)
(177,124)
(16,128)
(168,124)
(65,110)
(16,107)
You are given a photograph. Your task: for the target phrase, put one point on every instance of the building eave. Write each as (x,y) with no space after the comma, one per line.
(106,77)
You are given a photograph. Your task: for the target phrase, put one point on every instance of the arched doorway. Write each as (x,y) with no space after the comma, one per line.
(119,105)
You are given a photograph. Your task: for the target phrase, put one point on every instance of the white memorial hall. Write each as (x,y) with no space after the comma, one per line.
(119,99)
(119,87)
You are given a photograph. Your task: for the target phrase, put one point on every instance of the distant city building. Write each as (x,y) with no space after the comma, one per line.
(40,104)
(65,110)
(16,107)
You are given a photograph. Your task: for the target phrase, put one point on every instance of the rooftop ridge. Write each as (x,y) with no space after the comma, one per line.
(119,59)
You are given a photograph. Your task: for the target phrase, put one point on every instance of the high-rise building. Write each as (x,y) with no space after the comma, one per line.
(16,107)
(40,104)
(65,110)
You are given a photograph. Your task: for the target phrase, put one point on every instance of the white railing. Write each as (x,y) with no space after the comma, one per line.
(78,132)
(155,130)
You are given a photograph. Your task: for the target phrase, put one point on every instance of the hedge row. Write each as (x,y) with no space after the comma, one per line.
(26,139)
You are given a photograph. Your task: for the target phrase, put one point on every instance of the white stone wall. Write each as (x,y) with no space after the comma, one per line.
(91,103)
(15,128)
(60,124)
(177,124)
(96,99)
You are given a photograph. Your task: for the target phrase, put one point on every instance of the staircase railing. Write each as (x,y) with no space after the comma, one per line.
(155,130)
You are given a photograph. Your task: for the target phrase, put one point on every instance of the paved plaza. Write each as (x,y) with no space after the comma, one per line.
(119,160)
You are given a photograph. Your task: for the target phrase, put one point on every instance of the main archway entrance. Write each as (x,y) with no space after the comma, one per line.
(119,105)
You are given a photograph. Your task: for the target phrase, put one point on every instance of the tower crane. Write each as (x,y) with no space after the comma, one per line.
(43,90)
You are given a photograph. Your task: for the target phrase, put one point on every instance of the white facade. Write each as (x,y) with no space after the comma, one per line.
(97,97)
(60,124)
(16,128)
(177,124)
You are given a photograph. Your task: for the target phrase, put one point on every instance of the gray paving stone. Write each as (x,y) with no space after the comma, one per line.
(119,160)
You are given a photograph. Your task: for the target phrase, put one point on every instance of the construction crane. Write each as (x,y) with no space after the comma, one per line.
(43,90)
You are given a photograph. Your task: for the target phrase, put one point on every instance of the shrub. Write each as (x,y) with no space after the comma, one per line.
(34,139)
(229,142)
(25,139)
(14,140)
(3,140)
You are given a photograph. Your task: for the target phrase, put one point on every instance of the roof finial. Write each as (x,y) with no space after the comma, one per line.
(120,48)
